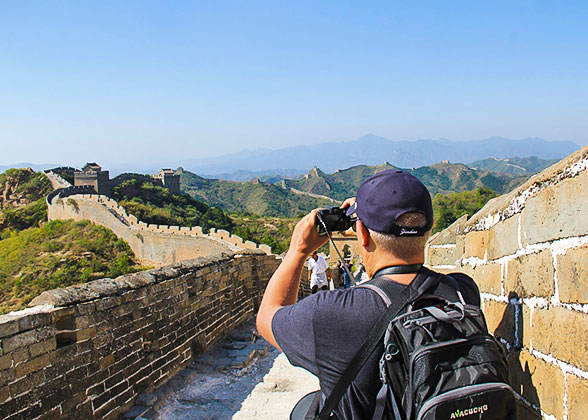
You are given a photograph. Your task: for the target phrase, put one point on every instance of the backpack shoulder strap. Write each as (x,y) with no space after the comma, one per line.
(445,286)
(379,291)
(424,280)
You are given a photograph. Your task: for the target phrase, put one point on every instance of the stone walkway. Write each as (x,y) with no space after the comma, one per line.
(241,378)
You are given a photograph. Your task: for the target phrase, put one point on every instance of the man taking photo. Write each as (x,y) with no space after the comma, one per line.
(323,332)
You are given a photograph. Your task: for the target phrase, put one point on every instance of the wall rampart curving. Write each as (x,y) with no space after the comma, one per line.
(151,244)
(528,253)
(87,351)
(155,244)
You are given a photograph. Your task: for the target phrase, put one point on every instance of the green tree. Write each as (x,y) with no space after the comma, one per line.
(448,208)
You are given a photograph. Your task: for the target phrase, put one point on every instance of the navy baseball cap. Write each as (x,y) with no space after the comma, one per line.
(386,196)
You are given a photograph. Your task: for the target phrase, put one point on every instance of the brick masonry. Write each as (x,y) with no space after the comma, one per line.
(87,351)
(155,245)
(532,245)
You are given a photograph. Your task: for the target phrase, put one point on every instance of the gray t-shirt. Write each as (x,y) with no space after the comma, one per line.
(321,333)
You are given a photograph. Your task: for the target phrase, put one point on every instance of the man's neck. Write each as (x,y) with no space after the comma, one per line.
(372,266)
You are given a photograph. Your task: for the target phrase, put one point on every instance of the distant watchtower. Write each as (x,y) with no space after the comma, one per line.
(93,175)
(169,179)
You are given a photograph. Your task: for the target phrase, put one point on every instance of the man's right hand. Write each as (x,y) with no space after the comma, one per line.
(305,238)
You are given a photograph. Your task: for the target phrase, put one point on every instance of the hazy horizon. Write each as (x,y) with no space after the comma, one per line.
(334,156)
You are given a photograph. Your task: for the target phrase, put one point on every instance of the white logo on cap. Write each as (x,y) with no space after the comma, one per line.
(408,232)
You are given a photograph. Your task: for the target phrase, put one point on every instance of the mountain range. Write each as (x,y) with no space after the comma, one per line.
(290,197)
(375,150)
(367,150)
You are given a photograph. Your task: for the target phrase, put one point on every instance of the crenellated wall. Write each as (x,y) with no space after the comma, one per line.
(153,244)
(87,351)
(528,253)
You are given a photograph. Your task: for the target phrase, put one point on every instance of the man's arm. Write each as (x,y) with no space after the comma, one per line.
(282,289)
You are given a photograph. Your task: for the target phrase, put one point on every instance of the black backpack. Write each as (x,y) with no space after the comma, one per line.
(439,361)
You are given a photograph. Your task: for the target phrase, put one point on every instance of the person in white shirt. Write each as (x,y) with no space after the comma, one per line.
(317,273)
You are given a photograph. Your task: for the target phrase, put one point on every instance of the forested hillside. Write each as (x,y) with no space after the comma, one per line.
(142,197)
(255,197)
(456,189)
(282,199)
(442,178)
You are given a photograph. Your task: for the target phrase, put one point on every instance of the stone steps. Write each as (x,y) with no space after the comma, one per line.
(231,357)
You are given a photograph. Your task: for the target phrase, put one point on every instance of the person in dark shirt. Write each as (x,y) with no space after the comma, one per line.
(322,332)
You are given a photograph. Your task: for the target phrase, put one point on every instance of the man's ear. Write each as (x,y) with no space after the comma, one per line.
(363,234)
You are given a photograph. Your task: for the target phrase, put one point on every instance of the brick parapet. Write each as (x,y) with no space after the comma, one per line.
(155,244)
(88,351)
(529,249)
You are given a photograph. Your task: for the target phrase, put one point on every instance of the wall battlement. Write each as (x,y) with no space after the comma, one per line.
(64,189)
(528,252)
(155,244)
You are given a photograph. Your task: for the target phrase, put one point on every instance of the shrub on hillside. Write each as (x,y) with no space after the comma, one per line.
(17,219)
(58,254)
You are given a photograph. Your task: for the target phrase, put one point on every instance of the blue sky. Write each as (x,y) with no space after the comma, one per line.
(121,81)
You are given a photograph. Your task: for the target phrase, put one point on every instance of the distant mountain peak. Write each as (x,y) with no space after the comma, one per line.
(315,172)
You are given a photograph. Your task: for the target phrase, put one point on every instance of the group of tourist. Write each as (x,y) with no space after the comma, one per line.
(320,274)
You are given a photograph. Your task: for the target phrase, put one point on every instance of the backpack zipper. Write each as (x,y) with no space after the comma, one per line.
(434,346)
(461,392)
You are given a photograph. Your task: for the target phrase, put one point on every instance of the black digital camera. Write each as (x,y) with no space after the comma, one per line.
(333,219)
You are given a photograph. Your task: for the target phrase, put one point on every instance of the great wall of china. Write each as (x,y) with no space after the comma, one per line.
(87,351)
(153,244)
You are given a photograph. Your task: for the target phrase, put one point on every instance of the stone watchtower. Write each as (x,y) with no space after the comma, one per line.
(93,175)
(169,180)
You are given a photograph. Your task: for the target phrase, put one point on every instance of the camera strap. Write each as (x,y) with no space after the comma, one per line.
(341,260)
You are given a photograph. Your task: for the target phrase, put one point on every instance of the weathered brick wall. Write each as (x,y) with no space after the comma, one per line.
(87,351)
(154,244)
(529,249)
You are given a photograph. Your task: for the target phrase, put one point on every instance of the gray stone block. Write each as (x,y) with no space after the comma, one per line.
(503,238)
(234,346)
(136,280)
(441,256)
(164,273)
(557,212)
(246,352)
(146,399)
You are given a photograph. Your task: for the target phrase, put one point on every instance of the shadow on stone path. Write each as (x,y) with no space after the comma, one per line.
(242,377)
